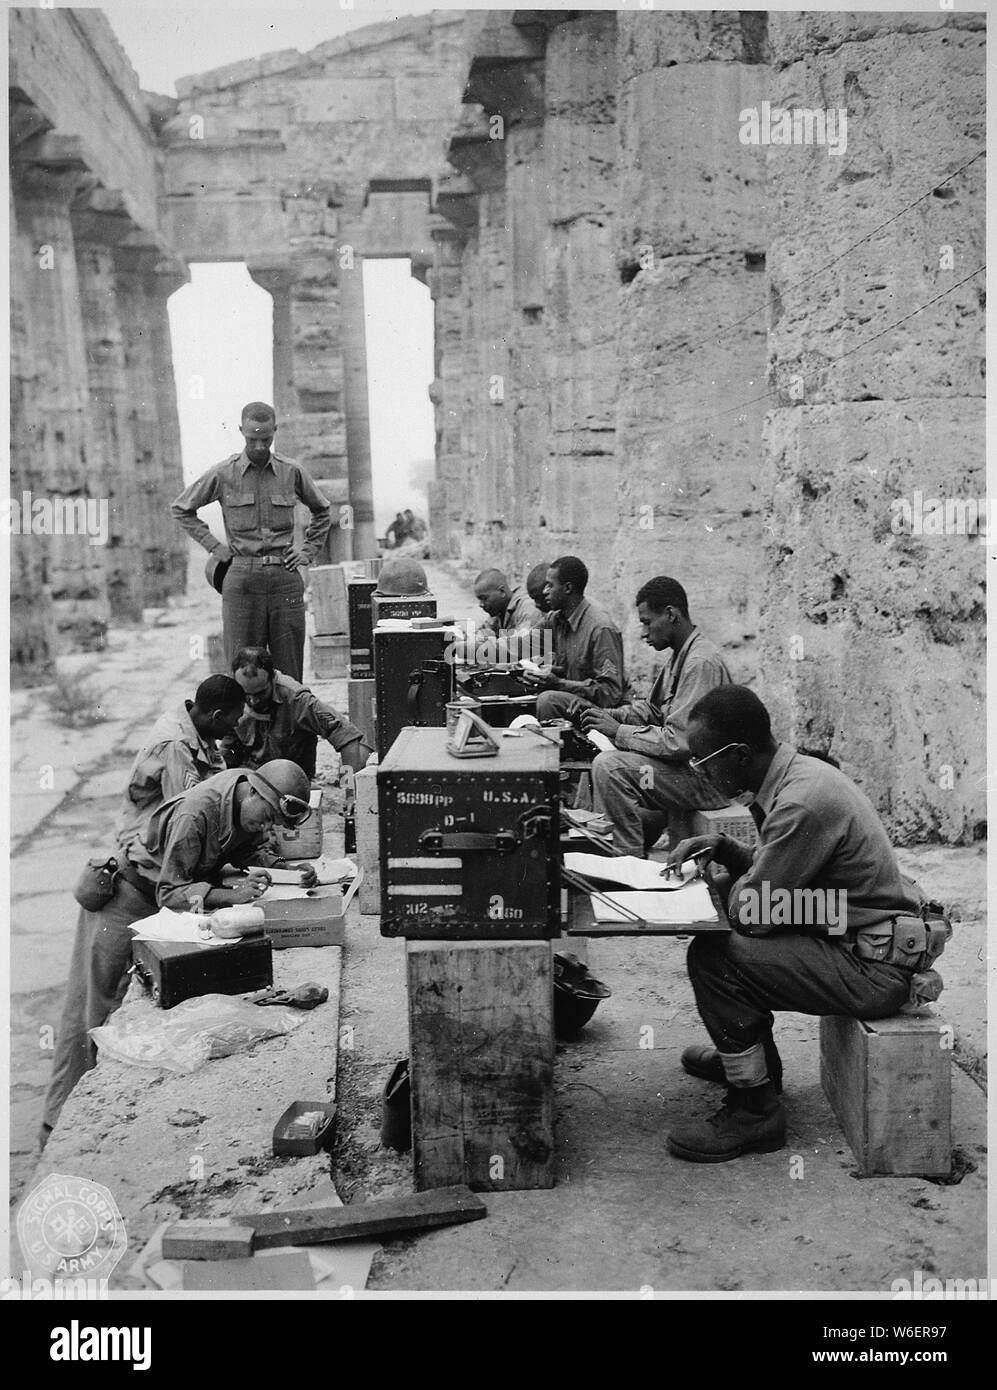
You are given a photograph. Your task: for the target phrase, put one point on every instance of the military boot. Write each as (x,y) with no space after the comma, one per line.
(704,1062)
(751,1120)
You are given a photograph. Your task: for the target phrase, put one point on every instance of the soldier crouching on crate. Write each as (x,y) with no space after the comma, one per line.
(225,819)
(822,919)
(646,779)
(283,719)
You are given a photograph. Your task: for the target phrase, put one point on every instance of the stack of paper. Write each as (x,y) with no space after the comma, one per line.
(690,903)
(627,869)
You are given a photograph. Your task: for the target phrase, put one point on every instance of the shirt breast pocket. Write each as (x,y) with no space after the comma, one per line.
(282,512)
(240,512)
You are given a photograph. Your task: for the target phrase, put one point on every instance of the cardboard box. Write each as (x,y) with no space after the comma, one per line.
(315,920)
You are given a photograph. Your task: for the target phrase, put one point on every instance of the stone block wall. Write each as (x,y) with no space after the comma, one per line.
(873,642)
(684,411)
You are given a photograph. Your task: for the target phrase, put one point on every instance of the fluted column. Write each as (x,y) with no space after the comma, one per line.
(32,621)
(100,224)
(146,275)
(63,466)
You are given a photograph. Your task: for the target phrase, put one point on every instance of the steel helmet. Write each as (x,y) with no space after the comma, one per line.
(402,576)
(284,786)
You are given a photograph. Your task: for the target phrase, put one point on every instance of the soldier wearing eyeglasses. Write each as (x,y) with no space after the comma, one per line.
(818,834)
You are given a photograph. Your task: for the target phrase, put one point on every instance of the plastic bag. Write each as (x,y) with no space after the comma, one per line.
(185,1037)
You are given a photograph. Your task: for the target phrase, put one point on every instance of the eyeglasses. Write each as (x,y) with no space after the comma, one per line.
(697,763)
(294,811)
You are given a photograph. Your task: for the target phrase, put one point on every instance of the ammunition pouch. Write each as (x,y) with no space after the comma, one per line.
(914,942)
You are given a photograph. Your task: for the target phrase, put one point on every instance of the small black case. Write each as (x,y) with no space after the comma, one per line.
(176,971)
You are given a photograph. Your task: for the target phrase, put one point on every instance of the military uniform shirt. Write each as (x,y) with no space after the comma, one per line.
(662,718)
(257,506)
(818,831)
(175,759)
(191,838)
(589,646)
(293,708)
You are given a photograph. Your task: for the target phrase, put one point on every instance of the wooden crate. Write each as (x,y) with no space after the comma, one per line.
(889,1082)
(360,703)
(368,842)
(303,841)
(481,1055)
(330,657)
(735,821)
(328,596)
(217,665)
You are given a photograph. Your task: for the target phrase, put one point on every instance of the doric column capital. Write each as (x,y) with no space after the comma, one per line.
(276,278)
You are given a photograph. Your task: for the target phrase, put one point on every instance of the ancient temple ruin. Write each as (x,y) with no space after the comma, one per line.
(663,342)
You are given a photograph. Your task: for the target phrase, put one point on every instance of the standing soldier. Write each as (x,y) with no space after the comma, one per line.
(262,589)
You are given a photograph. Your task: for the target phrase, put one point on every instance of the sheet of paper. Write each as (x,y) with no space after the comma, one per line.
(690,903)
(329,870)
(604,744)
(621,868)
(174,926)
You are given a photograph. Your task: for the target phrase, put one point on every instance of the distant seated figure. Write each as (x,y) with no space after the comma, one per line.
(588,647)
(398,532)
(283,719)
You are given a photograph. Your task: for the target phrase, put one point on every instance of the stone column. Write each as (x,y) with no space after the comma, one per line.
(691,246)
(446,490)
(507,80)
(486,440)
(278,281)
(101,223)
(169,273)
(357,411)
(32,621)
(47,174)
(146,275)
(579,500)
(318,426)
(873,624)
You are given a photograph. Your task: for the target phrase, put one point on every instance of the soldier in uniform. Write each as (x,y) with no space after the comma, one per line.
(588,647)
(180,752)
(263,590)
